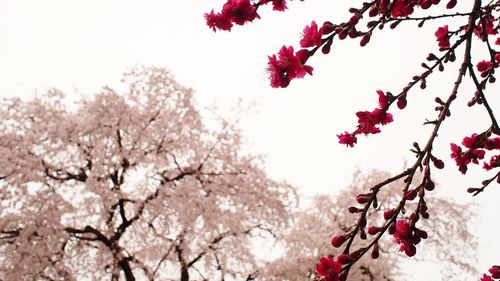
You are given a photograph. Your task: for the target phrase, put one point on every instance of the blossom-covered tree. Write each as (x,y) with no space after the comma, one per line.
(306,240)
(467,38)
(129,185)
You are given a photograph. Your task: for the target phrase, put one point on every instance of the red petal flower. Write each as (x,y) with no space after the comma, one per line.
(311,36)
(484,66)
(382,99)
(495,271)
(347,139)
(328,269)
(239,11)
(217,21)
(287,66)
(442,37)
(486,278)
(279,5)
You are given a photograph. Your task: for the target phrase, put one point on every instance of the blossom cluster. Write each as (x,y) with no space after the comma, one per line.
(486,25)
(239,12)
(404,8)
(328,269)
(476,146)
(288,65)
(368,121)
(406,235)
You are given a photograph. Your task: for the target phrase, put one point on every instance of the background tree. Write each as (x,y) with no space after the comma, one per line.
(306,241)
(129,186)
(470,41)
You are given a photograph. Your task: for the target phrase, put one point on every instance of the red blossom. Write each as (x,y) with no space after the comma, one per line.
(311,36)
(382,99)
(328,269)
(368,121)
(402,8)
(287,66)
(493,163)
(383,6)
(217,21)
(442,37)
(476,146)
(279,5)
(489,27)
(233,11)
(484,66)
(495,271)
(486,278)
(492,143)
(403,236)
(347,139)
(239,11)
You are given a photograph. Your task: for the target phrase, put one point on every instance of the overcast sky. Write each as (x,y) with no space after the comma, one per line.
(81,46)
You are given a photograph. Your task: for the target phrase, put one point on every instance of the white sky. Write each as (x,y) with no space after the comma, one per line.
(81,46)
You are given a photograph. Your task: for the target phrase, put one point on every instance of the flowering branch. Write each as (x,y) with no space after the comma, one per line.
(288,64)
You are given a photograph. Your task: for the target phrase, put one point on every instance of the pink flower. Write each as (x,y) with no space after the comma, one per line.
(217,21)
(279,5)
(239,11)
(492,143)
(347,139)
(402,8)
(403,236)
(233,11)
(495,271)
(287,66)
(368,121)
(338,240)
(476,146)
(484,66)
(311,36)
(382,99)
(486,278)
(489,27)
(328,269)
(494,163)
(442,37)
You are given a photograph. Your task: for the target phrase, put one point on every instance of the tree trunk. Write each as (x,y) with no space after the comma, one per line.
(184,274)
(125,266)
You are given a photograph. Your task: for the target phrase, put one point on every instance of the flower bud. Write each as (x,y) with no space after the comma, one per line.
(338,240)
(471,190)
(372,230)
(429,185)
(402,102)
(365,40)
(451,4)
(411,194)
(362,198)
(345,259)
(389,214)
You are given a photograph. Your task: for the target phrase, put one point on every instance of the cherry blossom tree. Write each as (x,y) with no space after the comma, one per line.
(306,240)
(129,185)
(467,38)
